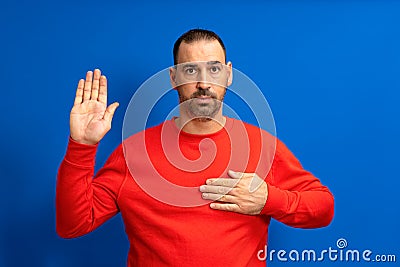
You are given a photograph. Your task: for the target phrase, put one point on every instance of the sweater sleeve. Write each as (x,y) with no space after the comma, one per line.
(295,196)
(84,202)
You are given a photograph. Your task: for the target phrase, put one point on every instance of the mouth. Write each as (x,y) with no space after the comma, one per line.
(203,99)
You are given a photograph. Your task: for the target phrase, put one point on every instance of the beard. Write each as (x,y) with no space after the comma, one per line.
(201,110)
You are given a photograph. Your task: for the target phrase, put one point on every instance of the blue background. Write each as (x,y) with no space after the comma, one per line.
(329,69)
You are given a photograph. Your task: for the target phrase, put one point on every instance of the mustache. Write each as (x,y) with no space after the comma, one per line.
(203,93)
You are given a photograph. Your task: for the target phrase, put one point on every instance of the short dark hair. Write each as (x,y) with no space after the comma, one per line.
(196,35)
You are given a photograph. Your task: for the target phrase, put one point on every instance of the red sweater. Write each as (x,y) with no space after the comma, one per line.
(161,234)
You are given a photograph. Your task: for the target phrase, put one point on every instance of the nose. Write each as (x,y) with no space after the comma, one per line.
(203,81)
(203,85)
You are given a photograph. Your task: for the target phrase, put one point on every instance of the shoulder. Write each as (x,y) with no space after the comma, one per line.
(268,140)
(254,133)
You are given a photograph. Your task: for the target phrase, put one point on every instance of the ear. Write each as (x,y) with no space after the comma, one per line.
(230,77)
(172,77)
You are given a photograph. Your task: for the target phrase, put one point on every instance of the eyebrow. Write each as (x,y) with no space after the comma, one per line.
(192,65)
(189,65)
(213,62)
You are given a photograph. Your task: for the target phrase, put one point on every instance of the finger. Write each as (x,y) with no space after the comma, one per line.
(228,182)
(215,189)
(103,90)
(225,207)
(236,175)
(96,84)
(108,115)
(88,86)
(218,197)
(79,92)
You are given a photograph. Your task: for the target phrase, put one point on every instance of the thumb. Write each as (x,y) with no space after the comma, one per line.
(108,115)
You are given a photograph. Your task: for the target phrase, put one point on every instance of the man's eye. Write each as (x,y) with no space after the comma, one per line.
(214,69)
(190,71)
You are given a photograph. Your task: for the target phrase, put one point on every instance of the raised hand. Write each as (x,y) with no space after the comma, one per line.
(90,117)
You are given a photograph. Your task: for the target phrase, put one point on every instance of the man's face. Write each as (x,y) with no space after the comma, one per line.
(201,78)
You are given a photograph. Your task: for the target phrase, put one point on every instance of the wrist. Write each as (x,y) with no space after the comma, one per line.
(276,203)
(83,141)
(81,154)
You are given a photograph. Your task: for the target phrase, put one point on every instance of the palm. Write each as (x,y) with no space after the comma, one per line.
(90,118)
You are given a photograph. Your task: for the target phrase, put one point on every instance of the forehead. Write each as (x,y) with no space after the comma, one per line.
(204,50)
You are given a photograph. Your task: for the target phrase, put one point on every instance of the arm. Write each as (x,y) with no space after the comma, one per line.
(295,196)
(289,194)
(82,204)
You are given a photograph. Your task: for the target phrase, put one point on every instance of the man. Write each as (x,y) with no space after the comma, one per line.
(225,222)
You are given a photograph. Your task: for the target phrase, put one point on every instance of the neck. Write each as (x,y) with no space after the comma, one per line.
(200,126)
